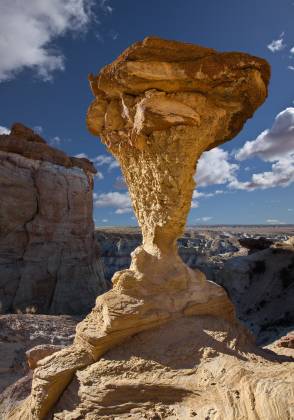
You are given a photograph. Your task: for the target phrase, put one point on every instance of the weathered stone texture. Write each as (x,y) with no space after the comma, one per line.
(48,258)
(191,368)
(157,108)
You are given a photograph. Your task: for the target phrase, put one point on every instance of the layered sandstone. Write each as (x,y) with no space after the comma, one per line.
(191,368)
(157,108)
(48,258)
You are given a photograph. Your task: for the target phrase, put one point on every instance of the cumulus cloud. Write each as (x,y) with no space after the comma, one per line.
(291,68)
(28,28)
(281,175)
(274,145)
(114,164)
(4,130)
(106,160)
(102,160)
(277,44)
(214,168)
(292,51)
(194,205)
(120,201)
(99,175)
(200,194)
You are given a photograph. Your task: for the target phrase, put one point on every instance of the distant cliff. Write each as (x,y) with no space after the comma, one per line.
(48,256)
(115,247)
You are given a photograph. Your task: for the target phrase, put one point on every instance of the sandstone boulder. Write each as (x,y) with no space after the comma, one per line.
(40,352)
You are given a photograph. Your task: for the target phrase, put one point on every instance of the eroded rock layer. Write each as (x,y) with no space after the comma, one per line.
(157,108)
(196,367)
(48,258)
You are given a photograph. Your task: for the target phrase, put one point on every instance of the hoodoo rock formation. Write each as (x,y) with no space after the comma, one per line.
(157,108)
(47,248)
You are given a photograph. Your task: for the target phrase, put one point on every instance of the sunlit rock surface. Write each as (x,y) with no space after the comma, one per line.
(48,259)
(157,108)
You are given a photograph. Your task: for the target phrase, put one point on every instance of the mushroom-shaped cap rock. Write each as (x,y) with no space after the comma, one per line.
(156,84)
(161,104)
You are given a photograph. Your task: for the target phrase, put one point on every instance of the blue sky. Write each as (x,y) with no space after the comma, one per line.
(48,49)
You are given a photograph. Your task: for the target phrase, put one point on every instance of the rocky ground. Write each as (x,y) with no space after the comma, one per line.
(259,278)
(260,284)
(21,332)
(202,247)
(196,367)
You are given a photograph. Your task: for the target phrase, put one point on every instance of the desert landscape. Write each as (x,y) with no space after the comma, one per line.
(192,316)
(152,278)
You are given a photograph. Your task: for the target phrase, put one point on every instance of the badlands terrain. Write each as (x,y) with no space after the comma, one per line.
(180,324)
(215,250)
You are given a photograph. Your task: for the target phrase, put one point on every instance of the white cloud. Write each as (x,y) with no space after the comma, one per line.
(104,220)
(106,160)
(124,210)
(114,164)
(105,6)
(204,219)
(55,141)
(99,175)
(292,51)
(277,44)
(291,68)
(38,129)
(4,130)
(275,222)
(281,175)
(199,194)
(28,28)
(82,156)
(274,143)
(214,168)
(102,160)
(120,201)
